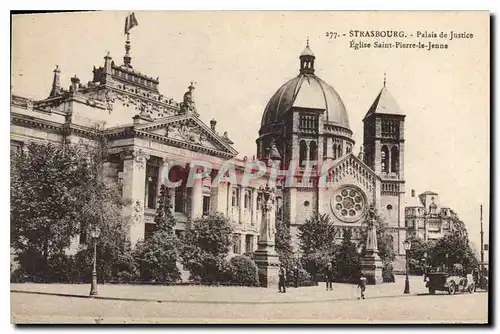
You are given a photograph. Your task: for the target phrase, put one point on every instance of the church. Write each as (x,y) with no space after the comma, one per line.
(308,123)
(305,126)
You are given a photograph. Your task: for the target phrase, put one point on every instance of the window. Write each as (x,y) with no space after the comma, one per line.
(206,205)
(235,196)
(248,199)
(151,186)
(259,201)
(302,152)
(236,243)
(179,199)
(149,229)
(394,160)
(385,159)
(313,151)
(249,243)
(16,146)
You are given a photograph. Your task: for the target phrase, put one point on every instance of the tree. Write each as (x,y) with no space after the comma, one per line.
(45,211)
(283,244)
(59,191)
(317,248)
(157,255)
(206,245)
(417,251)
(347,259)
(457,246)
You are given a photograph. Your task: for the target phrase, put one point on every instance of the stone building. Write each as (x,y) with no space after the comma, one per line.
(145,131)
(427,218)
(307,122)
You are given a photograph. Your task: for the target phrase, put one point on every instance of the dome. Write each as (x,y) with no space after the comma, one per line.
(306,91)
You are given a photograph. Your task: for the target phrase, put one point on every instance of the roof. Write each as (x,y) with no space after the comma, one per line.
(413,202)
(307,51)
(429,192)
(385,104)
(306,91)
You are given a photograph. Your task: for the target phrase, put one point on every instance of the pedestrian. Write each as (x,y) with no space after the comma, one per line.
(362,285)
(296,275)
(281,282)
(329,276)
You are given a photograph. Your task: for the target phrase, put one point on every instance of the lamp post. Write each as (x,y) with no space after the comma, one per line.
(407,246)
(425,266)
(94,233)
(446,263)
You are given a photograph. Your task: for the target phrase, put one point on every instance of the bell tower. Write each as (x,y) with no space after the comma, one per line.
(383,146)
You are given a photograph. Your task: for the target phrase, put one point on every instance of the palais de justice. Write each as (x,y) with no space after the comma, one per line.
(305,121)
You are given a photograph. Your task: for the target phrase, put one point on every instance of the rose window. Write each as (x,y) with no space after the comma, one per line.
(348,204)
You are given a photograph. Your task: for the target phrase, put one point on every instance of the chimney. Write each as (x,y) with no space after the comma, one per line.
(75,84)
(213,123)
(413,193)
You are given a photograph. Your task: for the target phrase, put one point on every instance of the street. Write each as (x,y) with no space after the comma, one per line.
(192,304)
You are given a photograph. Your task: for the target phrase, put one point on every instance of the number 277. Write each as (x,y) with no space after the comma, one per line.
(331,35)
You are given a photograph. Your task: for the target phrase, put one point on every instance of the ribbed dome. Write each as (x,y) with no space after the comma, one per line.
(306,91)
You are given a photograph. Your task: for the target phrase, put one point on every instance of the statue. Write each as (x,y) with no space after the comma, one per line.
(273,152)
(267,230)
(265,256)
(188,105)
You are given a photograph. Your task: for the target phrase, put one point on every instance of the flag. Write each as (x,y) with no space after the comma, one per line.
(130,22)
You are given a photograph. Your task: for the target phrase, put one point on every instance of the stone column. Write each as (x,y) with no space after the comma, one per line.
(241,208)
(134,182)
(371,263)
(254,206)
(215,194)
(229,203)
(265,256)
(197,198)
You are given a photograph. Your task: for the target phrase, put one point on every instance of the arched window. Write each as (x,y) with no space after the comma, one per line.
(339,151)
(385,159)
(325,147)
(313,151)
(302,152)
(394,160)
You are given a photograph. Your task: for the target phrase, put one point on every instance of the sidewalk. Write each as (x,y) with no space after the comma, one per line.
(224,294)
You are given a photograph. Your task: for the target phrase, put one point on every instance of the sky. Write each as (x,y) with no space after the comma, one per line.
(239,59)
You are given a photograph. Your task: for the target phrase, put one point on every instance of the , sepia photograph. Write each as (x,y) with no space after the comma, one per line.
(250,167)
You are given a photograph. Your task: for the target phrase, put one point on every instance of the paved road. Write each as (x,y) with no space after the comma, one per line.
(441,308)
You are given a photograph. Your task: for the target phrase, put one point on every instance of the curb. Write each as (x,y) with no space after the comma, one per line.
(209,302)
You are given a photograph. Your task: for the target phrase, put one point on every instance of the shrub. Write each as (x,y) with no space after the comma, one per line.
(387,274)
(157,257)
(205,246)
(304,278)
(243,271)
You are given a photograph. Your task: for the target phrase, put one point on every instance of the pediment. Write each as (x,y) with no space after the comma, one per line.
(187,129)
(350,166)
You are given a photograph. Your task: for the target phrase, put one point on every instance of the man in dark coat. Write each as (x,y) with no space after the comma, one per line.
(281,282)
(362,285)
(329,277)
